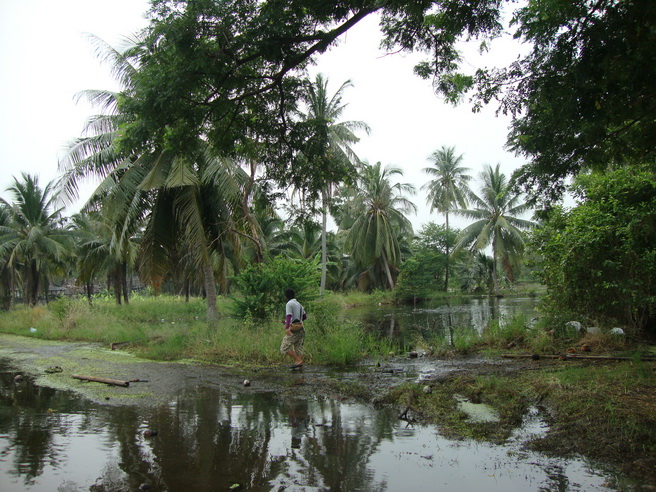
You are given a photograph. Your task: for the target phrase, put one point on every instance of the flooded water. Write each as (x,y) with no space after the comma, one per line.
(443,316)
(207,439)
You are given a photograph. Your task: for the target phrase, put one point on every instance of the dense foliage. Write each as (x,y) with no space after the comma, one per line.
(599,259)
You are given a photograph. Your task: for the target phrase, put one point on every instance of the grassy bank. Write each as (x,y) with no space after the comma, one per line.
(169,328)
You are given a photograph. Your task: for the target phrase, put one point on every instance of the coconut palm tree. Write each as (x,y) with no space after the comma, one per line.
(94,234)
(335,139)
(496,222)
(34,236)
(7,272)
(377,213)
(448,189)
(177,202)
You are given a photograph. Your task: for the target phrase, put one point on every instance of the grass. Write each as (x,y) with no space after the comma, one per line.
(169,328)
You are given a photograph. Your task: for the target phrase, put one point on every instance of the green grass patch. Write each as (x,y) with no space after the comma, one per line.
(169,328)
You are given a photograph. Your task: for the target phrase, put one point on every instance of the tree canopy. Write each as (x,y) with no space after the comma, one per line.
(231,70)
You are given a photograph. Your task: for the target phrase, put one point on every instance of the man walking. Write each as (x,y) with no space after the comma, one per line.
(292,343)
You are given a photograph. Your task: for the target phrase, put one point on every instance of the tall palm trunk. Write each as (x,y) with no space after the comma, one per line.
(117,284)
(124,282)
(210,290)
(495,279)
(33,283)
(252,223)
(89,289)
(324,246)
(446,276)
(387,271)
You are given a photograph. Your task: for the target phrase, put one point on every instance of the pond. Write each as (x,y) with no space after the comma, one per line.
(207,438)
(442,317)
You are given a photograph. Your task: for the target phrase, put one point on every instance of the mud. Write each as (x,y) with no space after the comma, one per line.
(54,363)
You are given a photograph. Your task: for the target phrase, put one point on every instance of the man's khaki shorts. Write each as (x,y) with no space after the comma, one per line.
(295,341)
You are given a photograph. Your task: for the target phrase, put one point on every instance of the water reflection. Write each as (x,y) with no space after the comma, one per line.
(208,439)
(443,317)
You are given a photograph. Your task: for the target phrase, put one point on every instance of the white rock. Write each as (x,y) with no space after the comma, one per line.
(617,331)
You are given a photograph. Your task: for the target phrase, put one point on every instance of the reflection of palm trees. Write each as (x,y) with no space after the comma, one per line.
(338,453)
(207,440)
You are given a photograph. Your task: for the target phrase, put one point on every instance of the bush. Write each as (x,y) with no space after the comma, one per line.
(262,286)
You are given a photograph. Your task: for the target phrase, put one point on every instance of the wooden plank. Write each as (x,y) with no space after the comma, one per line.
(113,382)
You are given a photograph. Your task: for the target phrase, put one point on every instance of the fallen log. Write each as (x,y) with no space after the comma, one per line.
(572,356)
(113,382)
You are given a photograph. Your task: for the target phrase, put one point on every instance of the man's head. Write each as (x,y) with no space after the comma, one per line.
(289,294)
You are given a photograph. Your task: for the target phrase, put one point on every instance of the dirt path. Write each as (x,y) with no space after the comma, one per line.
(53,364)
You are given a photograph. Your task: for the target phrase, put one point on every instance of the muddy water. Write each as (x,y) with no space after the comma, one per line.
(210,439)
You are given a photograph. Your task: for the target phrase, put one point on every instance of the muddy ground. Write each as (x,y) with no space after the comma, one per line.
(54,364)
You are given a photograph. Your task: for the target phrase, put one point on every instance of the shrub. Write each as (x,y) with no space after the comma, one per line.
(262,286)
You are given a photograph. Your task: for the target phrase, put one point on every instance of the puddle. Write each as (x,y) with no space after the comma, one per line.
(210,439)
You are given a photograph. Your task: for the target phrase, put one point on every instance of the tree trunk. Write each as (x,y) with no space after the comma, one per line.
(89,289)
(257,239)
(117,284)
(33,294)
(210,290)
(324,246)
(124,279)
(387,271)
(495,279)
(446,276)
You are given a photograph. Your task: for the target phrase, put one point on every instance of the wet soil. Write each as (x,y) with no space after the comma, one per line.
(54,363)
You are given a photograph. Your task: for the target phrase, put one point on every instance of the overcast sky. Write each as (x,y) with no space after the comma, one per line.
(46,60)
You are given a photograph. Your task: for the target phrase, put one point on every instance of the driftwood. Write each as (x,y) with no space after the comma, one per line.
(572,356)
(113,382)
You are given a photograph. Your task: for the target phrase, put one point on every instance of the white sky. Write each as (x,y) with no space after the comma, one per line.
(46,60)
